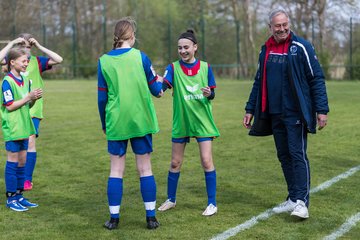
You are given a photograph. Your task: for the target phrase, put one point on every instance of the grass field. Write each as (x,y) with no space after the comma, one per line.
(73,165)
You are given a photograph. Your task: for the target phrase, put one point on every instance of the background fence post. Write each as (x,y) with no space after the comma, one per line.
(74,45)
(350,51)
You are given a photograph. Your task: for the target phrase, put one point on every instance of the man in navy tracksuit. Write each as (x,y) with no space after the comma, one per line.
(287,100)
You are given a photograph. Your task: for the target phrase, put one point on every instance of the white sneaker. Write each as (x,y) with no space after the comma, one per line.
(167,205)
(300,210)
(210,210)
(287,206)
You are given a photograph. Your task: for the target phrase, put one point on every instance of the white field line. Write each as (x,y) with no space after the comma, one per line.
(268,213)
(350,222)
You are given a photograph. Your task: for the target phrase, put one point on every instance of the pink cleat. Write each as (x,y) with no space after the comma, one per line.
(28,185)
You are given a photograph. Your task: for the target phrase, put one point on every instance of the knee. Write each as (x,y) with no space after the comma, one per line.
(145,171)
(22,161)
(116,172)
(175,164)
(284,156)
(208,164)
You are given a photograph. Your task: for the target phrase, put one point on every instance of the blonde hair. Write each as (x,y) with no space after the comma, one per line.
(14,53)
(125,28)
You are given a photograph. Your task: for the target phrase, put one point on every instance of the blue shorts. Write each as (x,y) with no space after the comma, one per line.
(187,139)
(36,122)
(17,146)
(139,145)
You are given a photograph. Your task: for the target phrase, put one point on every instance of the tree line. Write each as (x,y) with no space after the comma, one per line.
(229,32)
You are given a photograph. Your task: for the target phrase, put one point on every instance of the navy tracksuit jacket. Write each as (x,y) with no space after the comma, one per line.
(304,90)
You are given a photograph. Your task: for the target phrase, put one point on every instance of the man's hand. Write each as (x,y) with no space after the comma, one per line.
(247,120)
(321,120)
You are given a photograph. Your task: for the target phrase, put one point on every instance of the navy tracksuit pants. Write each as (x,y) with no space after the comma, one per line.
(290,138)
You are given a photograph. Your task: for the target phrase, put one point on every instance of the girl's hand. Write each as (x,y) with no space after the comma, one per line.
(34,42)
(161,93)
(160,79)
(18,40)
(206,91)
(35,94)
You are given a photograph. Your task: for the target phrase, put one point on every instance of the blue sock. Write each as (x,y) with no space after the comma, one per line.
(10,177)
(20,174)
(114,193)
(148,192)
(30,165)
(173,179)
(210,179)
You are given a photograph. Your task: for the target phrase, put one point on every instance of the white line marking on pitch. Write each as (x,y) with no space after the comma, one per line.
(351,222)
(268,213)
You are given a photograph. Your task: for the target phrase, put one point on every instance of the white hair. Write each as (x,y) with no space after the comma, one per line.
(276,12)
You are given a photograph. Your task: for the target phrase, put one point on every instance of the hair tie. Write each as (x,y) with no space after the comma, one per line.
(189,34)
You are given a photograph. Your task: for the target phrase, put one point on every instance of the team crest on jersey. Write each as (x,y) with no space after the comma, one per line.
(293,50)
(192,89)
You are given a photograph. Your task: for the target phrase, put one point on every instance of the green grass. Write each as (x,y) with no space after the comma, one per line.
(73,165)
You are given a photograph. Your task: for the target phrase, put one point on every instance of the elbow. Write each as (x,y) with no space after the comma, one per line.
(212,95)
(10,108)
(102,106)
(60,60)
(56,60)
(155,88)
(102,102)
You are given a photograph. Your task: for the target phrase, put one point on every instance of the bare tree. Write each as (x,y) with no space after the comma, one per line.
(249,45)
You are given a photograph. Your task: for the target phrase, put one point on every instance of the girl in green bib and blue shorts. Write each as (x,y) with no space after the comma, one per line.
(126,81)
(37,65)
(17,126)
(193,86)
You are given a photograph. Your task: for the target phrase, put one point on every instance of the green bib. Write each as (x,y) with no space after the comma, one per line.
(192,112)
(17,125)
(130,110)
(33,74)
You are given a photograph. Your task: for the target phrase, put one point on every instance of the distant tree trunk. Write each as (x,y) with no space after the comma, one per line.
(320,8)
(14,7)
(301,16)
(249,39)
(235,11)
